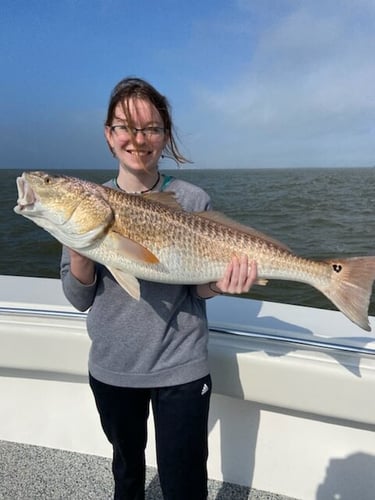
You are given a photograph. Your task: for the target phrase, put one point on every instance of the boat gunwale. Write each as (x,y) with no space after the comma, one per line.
(213,327)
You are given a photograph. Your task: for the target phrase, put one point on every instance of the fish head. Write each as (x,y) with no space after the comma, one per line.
(41,194)
(74,211)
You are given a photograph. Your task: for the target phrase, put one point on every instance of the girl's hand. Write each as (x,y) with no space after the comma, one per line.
(239,276)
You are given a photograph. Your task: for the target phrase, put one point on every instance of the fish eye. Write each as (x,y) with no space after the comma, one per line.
(47,180)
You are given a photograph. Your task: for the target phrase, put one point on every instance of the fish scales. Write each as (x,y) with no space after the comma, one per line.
(152,238)
(160,227)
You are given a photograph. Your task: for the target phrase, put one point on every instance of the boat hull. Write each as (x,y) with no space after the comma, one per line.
(292,390)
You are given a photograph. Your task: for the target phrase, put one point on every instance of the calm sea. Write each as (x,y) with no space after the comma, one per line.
(317,212)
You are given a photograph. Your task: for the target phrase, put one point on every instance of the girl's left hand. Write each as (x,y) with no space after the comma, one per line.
(239,277)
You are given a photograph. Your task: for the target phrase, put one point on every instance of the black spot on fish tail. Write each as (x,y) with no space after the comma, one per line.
(337,267)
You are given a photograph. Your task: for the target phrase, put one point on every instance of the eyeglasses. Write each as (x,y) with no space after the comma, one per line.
(126,131)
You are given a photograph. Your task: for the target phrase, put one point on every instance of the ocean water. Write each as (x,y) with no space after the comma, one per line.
(318,213)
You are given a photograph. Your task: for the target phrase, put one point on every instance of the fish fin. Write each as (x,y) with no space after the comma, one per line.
(128,282)
(227,221)
(351,286)
(167,198)
(132,250)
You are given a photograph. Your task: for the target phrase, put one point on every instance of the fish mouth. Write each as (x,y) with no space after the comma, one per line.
(26,196)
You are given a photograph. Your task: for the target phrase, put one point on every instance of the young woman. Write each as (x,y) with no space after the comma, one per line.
(155,349)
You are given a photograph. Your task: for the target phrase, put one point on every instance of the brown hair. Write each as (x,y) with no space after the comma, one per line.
(138,88)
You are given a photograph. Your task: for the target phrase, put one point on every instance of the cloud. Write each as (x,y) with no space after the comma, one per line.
(307,94)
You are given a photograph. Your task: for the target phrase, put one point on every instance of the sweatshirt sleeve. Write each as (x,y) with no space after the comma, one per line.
(79,295)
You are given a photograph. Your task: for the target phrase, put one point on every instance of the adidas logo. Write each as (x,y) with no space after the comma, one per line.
(204,389)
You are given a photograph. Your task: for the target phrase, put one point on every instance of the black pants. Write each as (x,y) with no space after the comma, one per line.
(180,415)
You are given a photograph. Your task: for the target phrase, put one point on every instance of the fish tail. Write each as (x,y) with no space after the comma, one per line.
(351,286)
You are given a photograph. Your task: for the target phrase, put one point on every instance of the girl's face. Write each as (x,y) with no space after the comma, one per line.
(141,149)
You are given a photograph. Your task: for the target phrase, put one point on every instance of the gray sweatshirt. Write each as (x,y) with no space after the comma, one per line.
(160,340)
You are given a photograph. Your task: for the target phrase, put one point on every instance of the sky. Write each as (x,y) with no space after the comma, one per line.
(252,83)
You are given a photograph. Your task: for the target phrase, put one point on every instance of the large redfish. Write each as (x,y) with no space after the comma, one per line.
(152,238)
